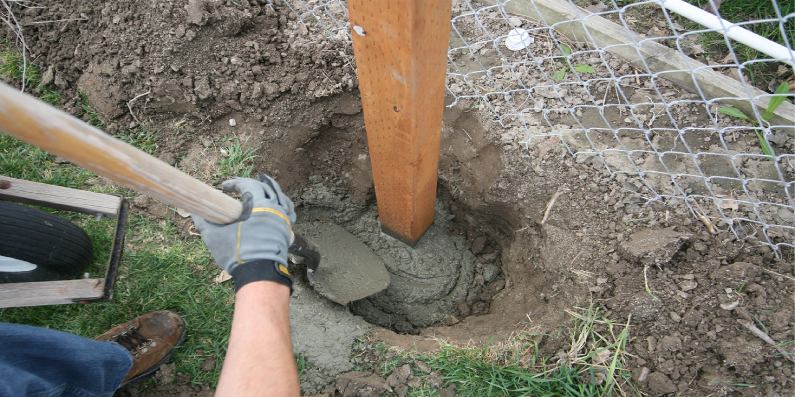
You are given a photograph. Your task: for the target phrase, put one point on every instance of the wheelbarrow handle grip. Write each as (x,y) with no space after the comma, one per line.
(59,133)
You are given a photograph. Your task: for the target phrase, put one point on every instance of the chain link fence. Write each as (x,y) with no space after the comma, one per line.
(637,90)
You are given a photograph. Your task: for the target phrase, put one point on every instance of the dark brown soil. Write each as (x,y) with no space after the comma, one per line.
(293,93)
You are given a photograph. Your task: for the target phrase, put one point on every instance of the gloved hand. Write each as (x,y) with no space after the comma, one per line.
(254,247)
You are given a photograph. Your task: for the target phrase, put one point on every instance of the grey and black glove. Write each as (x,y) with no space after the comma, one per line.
(253,248)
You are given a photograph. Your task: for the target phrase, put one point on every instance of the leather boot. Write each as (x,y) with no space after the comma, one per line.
(150,338)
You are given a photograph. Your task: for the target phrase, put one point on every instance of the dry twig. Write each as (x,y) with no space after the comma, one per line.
(702,216)
(765,337)
(7,16)
(129,105)
(549,205)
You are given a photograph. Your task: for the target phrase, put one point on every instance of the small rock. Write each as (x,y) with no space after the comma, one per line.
(688,285)
(786,215)
(487,258)
(736,273)
(141,201)
(654,246)
(434,380)
(414,382)
(361,384)
(729,306)
(449,320)
(232,122)
(642,306)
(401,390)
(209,364)
(168,157)
(670,343)
(490,273)
(61,160)
(644,374)
(425,368)
(478,244)
(48,77)
(400,375)
(166,373)
(659,383)
(675,317)
(448,391)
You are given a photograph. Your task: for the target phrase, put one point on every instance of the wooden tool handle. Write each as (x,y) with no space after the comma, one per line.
(50,129)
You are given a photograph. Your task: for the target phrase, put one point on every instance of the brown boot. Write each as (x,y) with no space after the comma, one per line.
(150,338)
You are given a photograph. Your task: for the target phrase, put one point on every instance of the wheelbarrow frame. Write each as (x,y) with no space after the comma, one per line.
(66,291)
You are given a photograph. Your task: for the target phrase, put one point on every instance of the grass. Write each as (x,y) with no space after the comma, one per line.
(11,65)
(237,160)
(593,366)
(740,11)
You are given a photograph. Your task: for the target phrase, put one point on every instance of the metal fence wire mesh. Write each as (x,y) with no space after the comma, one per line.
(637,90)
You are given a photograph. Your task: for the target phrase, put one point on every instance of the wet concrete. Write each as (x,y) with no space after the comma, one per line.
(425,283)
(323,332)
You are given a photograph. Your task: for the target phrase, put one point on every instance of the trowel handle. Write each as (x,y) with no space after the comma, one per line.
(50,129)
(306,250)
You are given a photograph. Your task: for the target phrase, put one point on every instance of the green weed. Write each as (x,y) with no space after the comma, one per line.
(560,74)
(779,97)
(238,160)
(141,137)
(302,364)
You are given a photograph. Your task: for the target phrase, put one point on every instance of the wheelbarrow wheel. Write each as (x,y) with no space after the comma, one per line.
(36,245)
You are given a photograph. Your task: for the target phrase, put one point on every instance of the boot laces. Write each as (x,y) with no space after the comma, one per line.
(133,341)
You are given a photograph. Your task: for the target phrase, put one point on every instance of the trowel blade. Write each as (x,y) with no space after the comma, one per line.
(349,270)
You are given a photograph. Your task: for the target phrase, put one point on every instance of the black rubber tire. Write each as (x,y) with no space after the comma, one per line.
(59,248)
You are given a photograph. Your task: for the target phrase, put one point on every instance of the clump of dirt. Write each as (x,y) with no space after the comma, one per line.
(521,232)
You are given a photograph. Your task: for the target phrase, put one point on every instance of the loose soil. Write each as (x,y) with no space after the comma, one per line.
(492,266)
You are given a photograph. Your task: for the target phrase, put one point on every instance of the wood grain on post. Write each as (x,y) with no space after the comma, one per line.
(50,129)
(401,58)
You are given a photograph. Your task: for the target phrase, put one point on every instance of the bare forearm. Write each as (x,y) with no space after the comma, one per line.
(259,359)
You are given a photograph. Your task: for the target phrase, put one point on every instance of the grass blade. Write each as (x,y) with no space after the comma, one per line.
(728,110)
(766,148)
(584,69)
(776,101)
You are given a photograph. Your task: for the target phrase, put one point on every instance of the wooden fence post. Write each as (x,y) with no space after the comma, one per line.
(401,58)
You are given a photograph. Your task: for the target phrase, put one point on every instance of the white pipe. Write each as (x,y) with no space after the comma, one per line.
(731,30)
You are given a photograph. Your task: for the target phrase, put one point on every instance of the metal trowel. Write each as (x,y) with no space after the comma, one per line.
(339,266)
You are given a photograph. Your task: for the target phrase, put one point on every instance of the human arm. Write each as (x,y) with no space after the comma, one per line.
(259,359)
(253,250)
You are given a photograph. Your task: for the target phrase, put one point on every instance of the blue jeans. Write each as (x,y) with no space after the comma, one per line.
(43,362)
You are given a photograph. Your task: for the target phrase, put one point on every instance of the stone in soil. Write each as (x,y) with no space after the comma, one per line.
(361,384)
(654,246)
